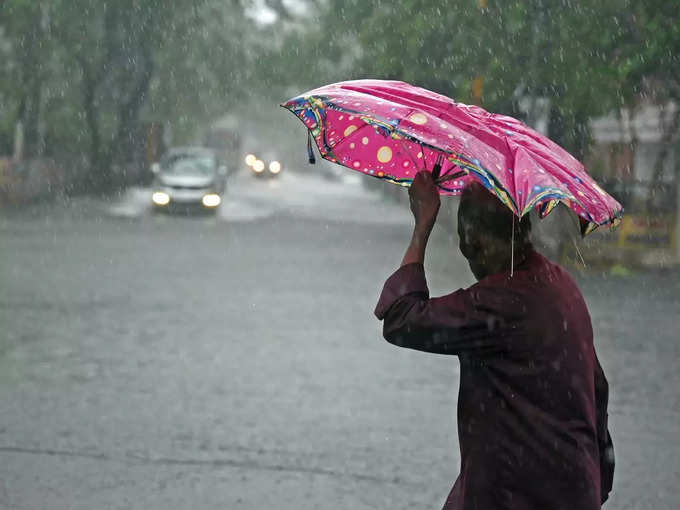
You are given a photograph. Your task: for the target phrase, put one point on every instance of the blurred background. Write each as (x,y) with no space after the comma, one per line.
(93,93)
(226,354)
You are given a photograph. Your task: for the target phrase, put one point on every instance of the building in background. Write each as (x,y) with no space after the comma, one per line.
(636,157)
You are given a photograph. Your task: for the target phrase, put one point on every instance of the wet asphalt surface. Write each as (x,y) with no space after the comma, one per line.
(150,361)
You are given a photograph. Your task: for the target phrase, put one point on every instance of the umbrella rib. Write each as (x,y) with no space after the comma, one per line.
(408,153)
(449,177)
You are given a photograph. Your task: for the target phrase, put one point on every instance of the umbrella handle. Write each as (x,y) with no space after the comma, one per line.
(437,168)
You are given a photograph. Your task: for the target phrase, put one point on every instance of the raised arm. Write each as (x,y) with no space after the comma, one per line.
(466,321)
(424,201)
(453,324)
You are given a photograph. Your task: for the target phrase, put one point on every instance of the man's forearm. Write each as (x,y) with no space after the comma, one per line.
(415,253)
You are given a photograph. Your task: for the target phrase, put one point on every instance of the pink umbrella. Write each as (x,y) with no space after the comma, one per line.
(391,130)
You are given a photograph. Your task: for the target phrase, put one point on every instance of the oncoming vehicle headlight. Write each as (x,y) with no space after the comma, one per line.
(275,167)
(211,200)
(250,159)
(160,198)
(258,166)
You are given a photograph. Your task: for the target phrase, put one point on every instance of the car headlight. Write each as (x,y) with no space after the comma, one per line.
(275,167)
(258,166)
(160,198)
(211,200)
(250,159)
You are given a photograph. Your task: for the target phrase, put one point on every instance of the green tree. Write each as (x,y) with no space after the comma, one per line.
(91,72)
(113,47)
(523,49)
(25,25)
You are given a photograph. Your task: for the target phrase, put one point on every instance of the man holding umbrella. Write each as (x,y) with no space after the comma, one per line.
(532,405)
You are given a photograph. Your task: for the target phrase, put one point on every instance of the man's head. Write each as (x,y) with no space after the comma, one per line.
(485,230)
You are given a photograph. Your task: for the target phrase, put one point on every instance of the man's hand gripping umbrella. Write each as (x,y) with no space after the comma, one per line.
(425,202)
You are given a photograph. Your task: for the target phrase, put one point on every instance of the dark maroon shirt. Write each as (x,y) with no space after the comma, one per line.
(532,420)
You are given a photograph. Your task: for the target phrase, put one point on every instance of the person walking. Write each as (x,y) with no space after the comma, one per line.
(532,403)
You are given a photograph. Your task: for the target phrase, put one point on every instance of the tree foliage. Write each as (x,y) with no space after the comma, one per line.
(91,72)
(82,75)
(585,57)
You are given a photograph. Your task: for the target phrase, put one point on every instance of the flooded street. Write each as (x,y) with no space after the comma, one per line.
(151,361)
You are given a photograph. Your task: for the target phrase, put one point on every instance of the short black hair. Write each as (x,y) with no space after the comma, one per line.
(491,215)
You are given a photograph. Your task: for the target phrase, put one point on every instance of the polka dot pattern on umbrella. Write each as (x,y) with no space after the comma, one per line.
(391,130)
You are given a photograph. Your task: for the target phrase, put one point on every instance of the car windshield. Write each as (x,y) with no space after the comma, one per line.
(185,164)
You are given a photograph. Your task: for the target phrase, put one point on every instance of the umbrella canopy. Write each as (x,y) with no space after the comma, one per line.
(390,130)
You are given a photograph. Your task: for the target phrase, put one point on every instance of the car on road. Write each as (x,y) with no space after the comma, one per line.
(188,179)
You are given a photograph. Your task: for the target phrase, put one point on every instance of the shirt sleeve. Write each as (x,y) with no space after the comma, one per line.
(473,321)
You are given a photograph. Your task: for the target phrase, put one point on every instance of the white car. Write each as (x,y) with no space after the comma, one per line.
(188,179)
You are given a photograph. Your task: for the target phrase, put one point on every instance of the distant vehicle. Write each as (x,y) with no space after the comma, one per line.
(188,179)
(265,167)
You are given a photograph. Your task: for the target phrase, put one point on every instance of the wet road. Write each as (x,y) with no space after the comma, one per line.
(233,361)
